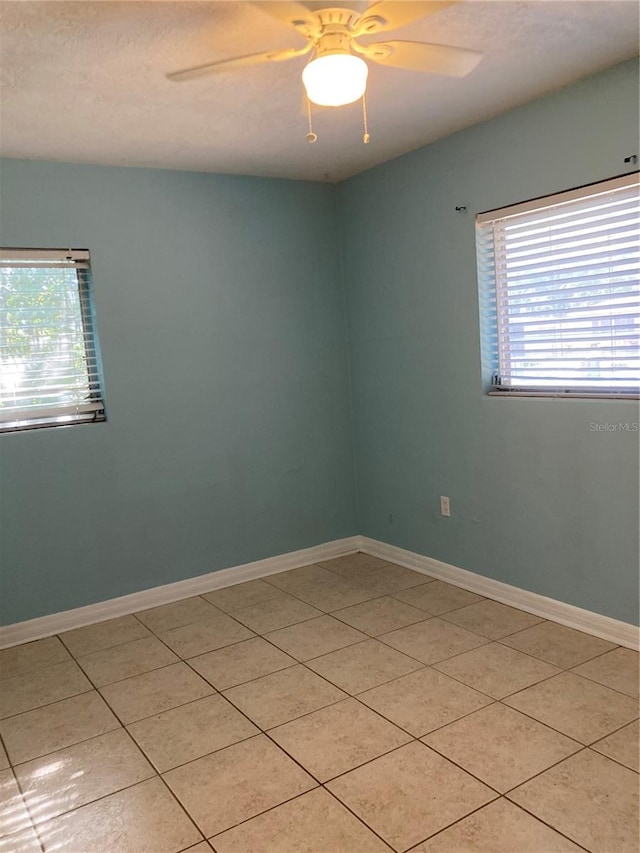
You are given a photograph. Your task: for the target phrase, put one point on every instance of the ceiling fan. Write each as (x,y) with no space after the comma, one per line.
(337,74)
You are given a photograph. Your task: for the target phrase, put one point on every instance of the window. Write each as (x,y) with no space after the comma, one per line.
(560,293)
(49,359)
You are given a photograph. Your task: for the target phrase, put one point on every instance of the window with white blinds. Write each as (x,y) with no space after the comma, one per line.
(49,358)
(560,292)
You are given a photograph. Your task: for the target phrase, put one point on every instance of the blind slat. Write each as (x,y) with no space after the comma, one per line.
(560,290)
(49,359)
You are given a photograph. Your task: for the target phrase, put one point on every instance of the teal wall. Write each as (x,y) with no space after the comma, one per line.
(539,500)
(234,400)
(221,320)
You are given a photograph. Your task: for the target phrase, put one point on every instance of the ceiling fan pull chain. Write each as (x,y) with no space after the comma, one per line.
(365,136)
(311,136)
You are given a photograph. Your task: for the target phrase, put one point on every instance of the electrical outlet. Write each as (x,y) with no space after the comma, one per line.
(445,506)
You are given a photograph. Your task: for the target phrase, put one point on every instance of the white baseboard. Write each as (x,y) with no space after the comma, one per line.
(45,626)
(622,633)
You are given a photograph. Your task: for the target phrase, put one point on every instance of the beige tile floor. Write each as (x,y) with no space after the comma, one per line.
(349,707)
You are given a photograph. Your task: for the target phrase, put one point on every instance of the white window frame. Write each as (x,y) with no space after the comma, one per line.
(91,408)
(506,370)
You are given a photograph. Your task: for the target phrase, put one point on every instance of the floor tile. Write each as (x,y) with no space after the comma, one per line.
(190,731)
(126,660)
(315,637)
(338,738)
(424,700)
(623,746)
(24,841)
(79,774)
(380,615)
(275,613)
(374,574)
(497,670)
(589,798)
(4,761)
(320,588)
(301,578)
(360,567)
(492,619)
(580,708)
(363,666)
(241,595)
(103,635)
(313,823)
(41,687)
(56,726)
(558,644)
(205,636)
(438,597)
(203,847)
(354,564)
(409,794)
(433,640)
(500,746)
(242,781)
(500,827)
(156,691)
(282,696)
(29,656)
(142,819)
(241,662)
(618,669)
(389,580)
(13,812)
(335,594)
(177,614)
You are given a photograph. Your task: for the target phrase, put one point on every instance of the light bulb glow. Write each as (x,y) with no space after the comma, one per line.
(335,79)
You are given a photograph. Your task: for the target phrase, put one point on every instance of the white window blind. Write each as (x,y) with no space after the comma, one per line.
(560,292)
(49,359)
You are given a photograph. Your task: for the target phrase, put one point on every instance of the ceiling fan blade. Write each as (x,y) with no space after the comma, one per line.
(391,14)
(292,14)
(419,56)
(237,62)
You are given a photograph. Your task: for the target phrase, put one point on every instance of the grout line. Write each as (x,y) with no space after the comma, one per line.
(264,811)
(551,663)
(76,656)
(259,814)
(222,690)
(458,820)
(614,732)
(116,728)
(611,758)
(89,689)
(559,731)
(344,772)
(32,669)
(511,803)
(342,699)
(25,803)
(155,774)
(373,686)
(486,636)
(431,731)
(600,684)
(519,784)
(357,817)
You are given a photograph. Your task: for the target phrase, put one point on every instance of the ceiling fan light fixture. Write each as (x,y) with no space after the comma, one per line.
(335,79)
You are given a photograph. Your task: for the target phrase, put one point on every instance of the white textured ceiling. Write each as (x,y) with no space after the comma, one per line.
(84,82)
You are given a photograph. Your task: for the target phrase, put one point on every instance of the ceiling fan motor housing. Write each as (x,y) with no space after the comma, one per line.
(332,43)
